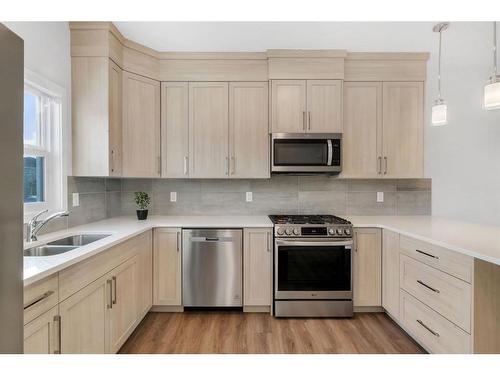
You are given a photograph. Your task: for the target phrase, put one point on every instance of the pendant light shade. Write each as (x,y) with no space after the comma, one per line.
(492,88)
(439,115)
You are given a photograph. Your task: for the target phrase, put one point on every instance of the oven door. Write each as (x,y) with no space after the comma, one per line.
(313,269)
(306,152)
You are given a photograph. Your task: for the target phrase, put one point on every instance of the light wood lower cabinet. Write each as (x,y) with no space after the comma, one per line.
(41,334)
(257,267)
(390,272)
(123,317)
(145,276)
(85,319)
(367,267)
(167,257)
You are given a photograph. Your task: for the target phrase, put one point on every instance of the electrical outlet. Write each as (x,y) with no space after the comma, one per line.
(380,196)
(76,199)
(249,196)
(173,196)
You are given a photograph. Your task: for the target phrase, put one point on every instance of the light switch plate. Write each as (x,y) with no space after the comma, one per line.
(76,199)
(249,196)
(380,196)
(173,196)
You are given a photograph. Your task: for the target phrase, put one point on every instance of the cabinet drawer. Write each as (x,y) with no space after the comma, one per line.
(449,296)
(451,262)
(40,297)
(76,277)
(435,333)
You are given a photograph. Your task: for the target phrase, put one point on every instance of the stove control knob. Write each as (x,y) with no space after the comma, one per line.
(347,232)
(339,231)
(280,231)
(331,231)
(296,231)
(288,231)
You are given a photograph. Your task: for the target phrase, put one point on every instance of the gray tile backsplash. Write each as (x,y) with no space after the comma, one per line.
(102,198)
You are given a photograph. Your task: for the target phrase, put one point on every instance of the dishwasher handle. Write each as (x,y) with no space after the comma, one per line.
(212,239)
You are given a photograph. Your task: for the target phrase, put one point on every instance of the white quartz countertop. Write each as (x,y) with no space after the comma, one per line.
(121,229)
(477,240)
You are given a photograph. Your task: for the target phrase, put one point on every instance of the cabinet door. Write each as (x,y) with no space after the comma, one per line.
(208,130)
(167,267)
(288,100)
(368,267)
(84,319)
(145,284)
(123,314)
(362,135)
(257,267)
(141,126)
(390,272)
(174,129)
(403,107)
(248,130)
(40,335)
(324,106)
(115,120)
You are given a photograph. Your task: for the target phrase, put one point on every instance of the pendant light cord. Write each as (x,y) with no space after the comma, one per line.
(494,51)
(439,67)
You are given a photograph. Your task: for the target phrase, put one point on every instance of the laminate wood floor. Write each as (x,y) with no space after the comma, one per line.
(239,333)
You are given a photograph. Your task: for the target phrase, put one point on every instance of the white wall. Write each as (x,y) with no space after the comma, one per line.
(463,158)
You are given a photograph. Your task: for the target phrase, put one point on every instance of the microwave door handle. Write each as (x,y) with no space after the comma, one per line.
(330,152)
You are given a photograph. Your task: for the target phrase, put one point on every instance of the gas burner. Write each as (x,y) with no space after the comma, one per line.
(307,219)
(311,226)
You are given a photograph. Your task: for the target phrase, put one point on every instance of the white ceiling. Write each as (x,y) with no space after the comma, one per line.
(259,36)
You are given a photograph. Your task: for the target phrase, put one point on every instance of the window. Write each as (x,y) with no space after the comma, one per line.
(43,162)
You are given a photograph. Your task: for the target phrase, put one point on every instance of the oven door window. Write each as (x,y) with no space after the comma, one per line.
(314,268)
(300,152)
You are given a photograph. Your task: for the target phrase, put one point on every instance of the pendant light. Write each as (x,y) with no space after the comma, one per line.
(439,114)
(492,88)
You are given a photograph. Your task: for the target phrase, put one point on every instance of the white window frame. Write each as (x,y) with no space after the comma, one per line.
(53,146)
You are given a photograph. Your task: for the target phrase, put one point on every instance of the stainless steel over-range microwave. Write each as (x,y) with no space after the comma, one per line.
(306,153)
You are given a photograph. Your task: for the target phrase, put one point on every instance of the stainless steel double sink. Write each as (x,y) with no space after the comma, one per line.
(64,245)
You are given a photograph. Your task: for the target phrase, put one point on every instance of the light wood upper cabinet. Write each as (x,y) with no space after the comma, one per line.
(257,266)
(208,130)
(403,107)
(288,100)
(248,130)
(96,96)
(390,272)
(324,106)
(367,268)
(306,106)
(123,314)
(383,129)
(167,267)
(362,135)
(141,126)
(40,335)
(174,129)
(85,319)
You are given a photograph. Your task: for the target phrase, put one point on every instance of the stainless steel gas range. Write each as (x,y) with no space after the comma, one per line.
(312,266)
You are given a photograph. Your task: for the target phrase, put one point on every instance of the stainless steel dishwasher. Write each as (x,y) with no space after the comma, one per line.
(212,267)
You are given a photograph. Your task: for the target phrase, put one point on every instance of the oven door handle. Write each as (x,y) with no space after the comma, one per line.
(314,243)
(330,152)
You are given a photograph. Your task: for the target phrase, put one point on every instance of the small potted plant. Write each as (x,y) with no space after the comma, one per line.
(142,200)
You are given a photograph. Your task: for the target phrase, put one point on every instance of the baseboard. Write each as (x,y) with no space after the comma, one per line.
(256,309)
(368,309)
(160,308)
